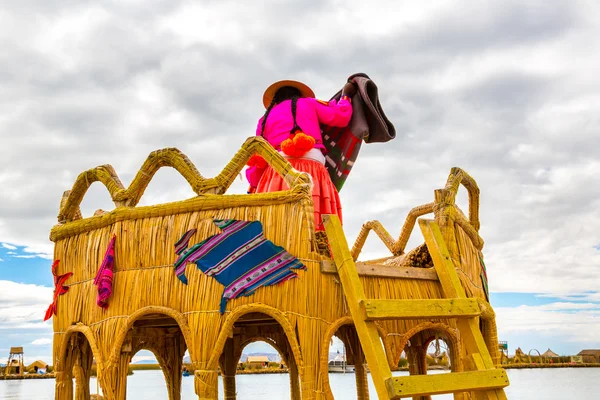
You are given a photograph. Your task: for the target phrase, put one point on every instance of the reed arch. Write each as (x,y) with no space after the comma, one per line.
(266,340)
(539,356)
(352,343)
(258,308)
(142,312)
(281,345)
(77,353)
(161,330)
(91,339)
(234,335)
(415,343)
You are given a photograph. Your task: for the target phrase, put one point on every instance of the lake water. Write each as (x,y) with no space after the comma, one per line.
(526,384)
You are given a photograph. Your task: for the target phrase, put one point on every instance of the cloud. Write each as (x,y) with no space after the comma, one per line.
(140,358)
(575,323)
(9,246)
(493,89)
(42,341)
(23,306)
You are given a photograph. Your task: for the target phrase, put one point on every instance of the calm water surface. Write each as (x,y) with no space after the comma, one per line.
(526,384)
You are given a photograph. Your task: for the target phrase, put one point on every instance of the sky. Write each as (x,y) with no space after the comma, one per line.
(506,90)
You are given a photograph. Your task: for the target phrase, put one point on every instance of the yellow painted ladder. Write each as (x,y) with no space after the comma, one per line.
(486,381)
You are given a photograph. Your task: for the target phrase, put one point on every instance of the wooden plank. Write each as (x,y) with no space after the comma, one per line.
(497,394)
(424,385)
(477,363)
(451,285)
(384,271)
(420,309)
(353,291)
(452,288)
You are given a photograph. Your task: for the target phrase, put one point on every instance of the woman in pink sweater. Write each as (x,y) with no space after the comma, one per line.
(291,124)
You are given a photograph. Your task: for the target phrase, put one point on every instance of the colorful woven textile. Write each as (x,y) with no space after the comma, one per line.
(104,277)
(343,148)
(369,124)
(59,289)
(182,243)
(240,258)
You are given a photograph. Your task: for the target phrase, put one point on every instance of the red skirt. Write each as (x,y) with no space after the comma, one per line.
(325,196)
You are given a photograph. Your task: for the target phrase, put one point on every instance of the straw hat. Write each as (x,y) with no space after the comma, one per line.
(305,91)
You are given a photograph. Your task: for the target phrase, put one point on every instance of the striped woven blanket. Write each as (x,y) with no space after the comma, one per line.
(240,258)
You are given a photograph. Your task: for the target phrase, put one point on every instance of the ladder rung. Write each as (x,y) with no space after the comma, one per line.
(423,385)
(420,309)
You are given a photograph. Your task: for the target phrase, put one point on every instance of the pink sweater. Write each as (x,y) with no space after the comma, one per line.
(310,113)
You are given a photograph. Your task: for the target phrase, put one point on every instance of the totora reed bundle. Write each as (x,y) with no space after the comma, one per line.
(151,309)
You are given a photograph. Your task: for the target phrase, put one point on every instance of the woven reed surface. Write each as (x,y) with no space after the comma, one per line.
(172,157)
(418,257)
(145,281)
(469,270)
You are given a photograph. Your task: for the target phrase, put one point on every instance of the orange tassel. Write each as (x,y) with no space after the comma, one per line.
(287,146)
(297,145)
(257,161)
(304,142)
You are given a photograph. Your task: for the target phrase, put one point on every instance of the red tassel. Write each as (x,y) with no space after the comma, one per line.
(257,161)
(297,145)
(51,310)
(59,289)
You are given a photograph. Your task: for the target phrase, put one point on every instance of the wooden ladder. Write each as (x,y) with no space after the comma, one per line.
(486,381)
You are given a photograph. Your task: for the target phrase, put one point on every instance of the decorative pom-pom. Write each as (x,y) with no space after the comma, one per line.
(288,148)
(297,145)
(257,161)
(304,142)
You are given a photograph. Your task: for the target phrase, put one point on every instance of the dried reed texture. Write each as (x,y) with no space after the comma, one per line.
(309,310)
(418,257)
(469,270)
(376,227)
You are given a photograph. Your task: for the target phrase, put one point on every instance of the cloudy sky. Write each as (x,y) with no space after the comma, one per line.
(505,90)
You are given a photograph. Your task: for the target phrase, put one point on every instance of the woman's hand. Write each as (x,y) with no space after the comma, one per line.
(349,89)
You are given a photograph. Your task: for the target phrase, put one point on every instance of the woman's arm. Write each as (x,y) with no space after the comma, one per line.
(334,113)
(256,168)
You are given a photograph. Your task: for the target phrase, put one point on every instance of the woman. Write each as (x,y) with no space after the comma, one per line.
(291,124)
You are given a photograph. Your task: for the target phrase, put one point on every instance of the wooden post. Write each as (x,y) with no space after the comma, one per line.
(294,378)
(228,368)
(360,371)
(82,370)
(354,294)
(356,356)
(63,385)
(421,351)
(120,376)
(170,363)
(206,382)
(473,343)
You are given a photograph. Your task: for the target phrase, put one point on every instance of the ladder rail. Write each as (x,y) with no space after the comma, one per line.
(486,381)
(354,293)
